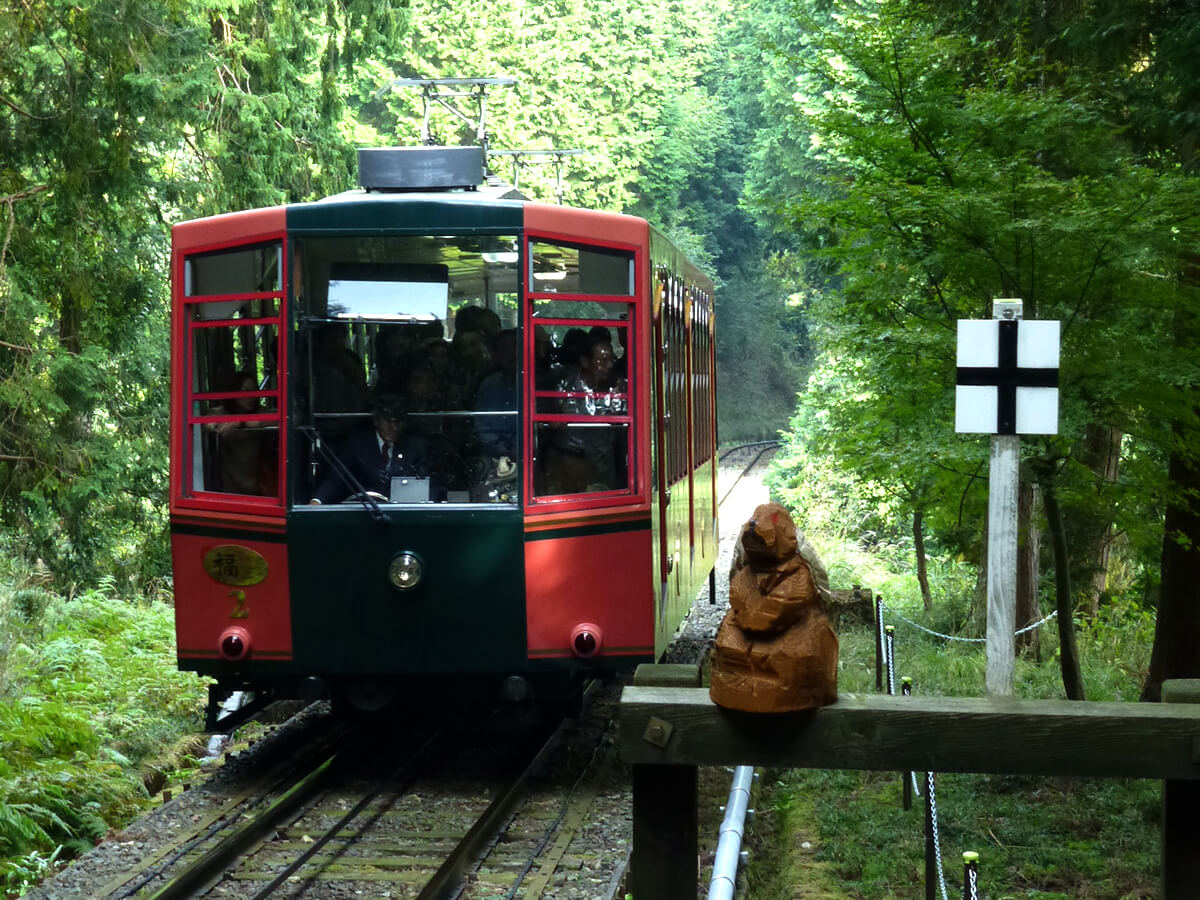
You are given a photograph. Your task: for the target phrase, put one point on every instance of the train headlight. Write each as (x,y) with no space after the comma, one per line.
(405,572)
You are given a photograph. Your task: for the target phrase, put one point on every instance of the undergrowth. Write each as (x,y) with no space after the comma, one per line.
(89,697)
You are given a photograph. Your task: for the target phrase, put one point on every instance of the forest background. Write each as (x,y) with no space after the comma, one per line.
(856,176)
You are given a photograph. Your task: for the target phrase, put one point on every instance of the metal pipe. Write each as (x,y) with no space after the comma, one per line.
(729,846)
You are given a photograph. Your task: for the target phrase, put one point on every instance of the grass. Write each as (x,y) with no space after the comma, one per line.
(89,699)
(1036,837)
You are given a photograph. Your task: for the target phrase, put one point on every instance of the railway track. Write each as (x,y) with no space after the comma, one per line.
(754,452)
(429,812)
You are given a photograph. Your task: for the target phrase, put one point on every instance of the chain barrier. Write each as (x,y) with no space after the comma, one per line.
(950,637)
(971,874)
(937,838)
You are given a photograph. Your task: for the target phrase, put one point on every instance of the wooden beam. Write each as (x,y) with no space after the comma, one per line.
(941,734)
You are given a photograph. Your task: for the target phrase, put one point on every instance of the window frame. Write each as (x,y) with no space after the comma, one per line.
(633,491)
(188,397)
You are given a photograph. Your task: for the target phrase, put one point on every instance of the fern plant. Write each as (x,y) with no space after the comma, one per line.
(89,696)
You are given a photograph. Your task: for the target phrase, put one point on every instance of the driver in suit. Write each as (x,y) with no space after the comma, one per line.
(375,455)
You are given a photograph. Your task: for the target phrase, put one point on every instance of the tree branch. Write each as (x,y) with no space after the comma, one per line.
(25,194)
(21,112)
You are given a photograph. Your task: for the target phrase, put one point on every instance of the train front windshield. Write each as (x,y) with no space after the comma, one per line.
(405,374)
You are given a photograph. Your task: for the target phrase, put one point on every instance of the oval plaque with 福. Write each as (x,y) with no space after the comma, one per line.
(236,565)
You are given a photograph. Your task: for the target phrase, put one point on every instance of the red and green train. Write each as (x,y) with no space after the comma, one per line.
(430,436)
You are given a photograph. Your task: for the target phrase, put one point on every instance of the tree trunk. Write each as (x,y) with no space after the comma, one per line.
(918,530)
(978,615)
(1176,652)
(1029,545)
(1101,454)
(1068,652)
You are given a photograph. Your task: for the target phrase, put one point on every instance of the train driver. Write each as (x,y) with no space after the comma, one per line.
(375,455)
(498,393)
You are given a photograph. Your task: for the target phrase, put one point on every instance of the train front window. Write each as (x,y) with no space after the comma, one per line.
(406,378)
(232,412)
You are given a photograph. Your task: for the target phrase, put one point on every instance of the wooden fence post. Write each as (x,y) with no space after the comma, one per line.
(663,864)
(1181,811)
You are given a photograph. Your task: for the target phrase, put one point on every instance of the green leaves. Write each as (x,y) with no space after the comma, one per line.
(950,156)
(117,119)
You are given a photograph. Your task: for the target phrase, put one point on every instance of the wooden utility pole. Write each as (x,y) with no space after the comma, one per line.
(1002,563)
(1007,385)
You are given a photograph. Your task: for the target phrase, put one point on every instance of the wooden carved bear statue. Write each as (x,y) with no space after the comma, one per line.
(776,650)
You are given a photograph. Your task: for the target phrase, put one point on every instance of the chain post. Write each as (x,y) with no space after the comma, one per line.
(906,779)
(970,875)
(890,653)
(878,643)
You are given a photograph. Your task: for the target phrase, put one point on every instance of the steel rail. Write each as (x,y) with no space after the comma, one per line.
(448,881)
(334,830)
(212,866)
(279,773)
(766,445)
(731,450)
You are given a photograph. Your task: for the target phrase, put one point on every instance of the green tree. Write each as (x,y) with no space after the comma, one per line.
(116,119)
(954,166)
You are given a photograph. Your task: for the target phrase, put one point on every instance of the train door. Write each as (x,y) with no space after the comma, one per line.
(662,414)
(588,555)
(227,488)
(704,535)
(675,510)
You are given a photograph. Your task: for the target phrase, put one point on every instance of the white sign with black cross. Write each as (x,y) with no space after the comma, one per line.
(1007,380)
(1006,385)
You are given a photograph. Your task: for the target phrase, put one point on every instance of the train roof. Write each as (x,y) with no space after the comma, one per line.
(426,190)
(491,209)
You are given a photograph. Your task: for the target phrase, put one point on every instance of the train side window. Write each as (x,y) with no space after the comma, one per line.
(579,310)
(232,315)
(242,270)
(565,269)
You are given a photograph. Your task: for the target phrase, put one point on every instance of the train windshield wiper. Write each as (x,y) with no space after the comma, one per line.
(343,473)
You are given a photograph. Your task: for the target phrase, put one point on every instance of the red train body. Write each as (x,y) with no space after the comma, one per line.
(536,515)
